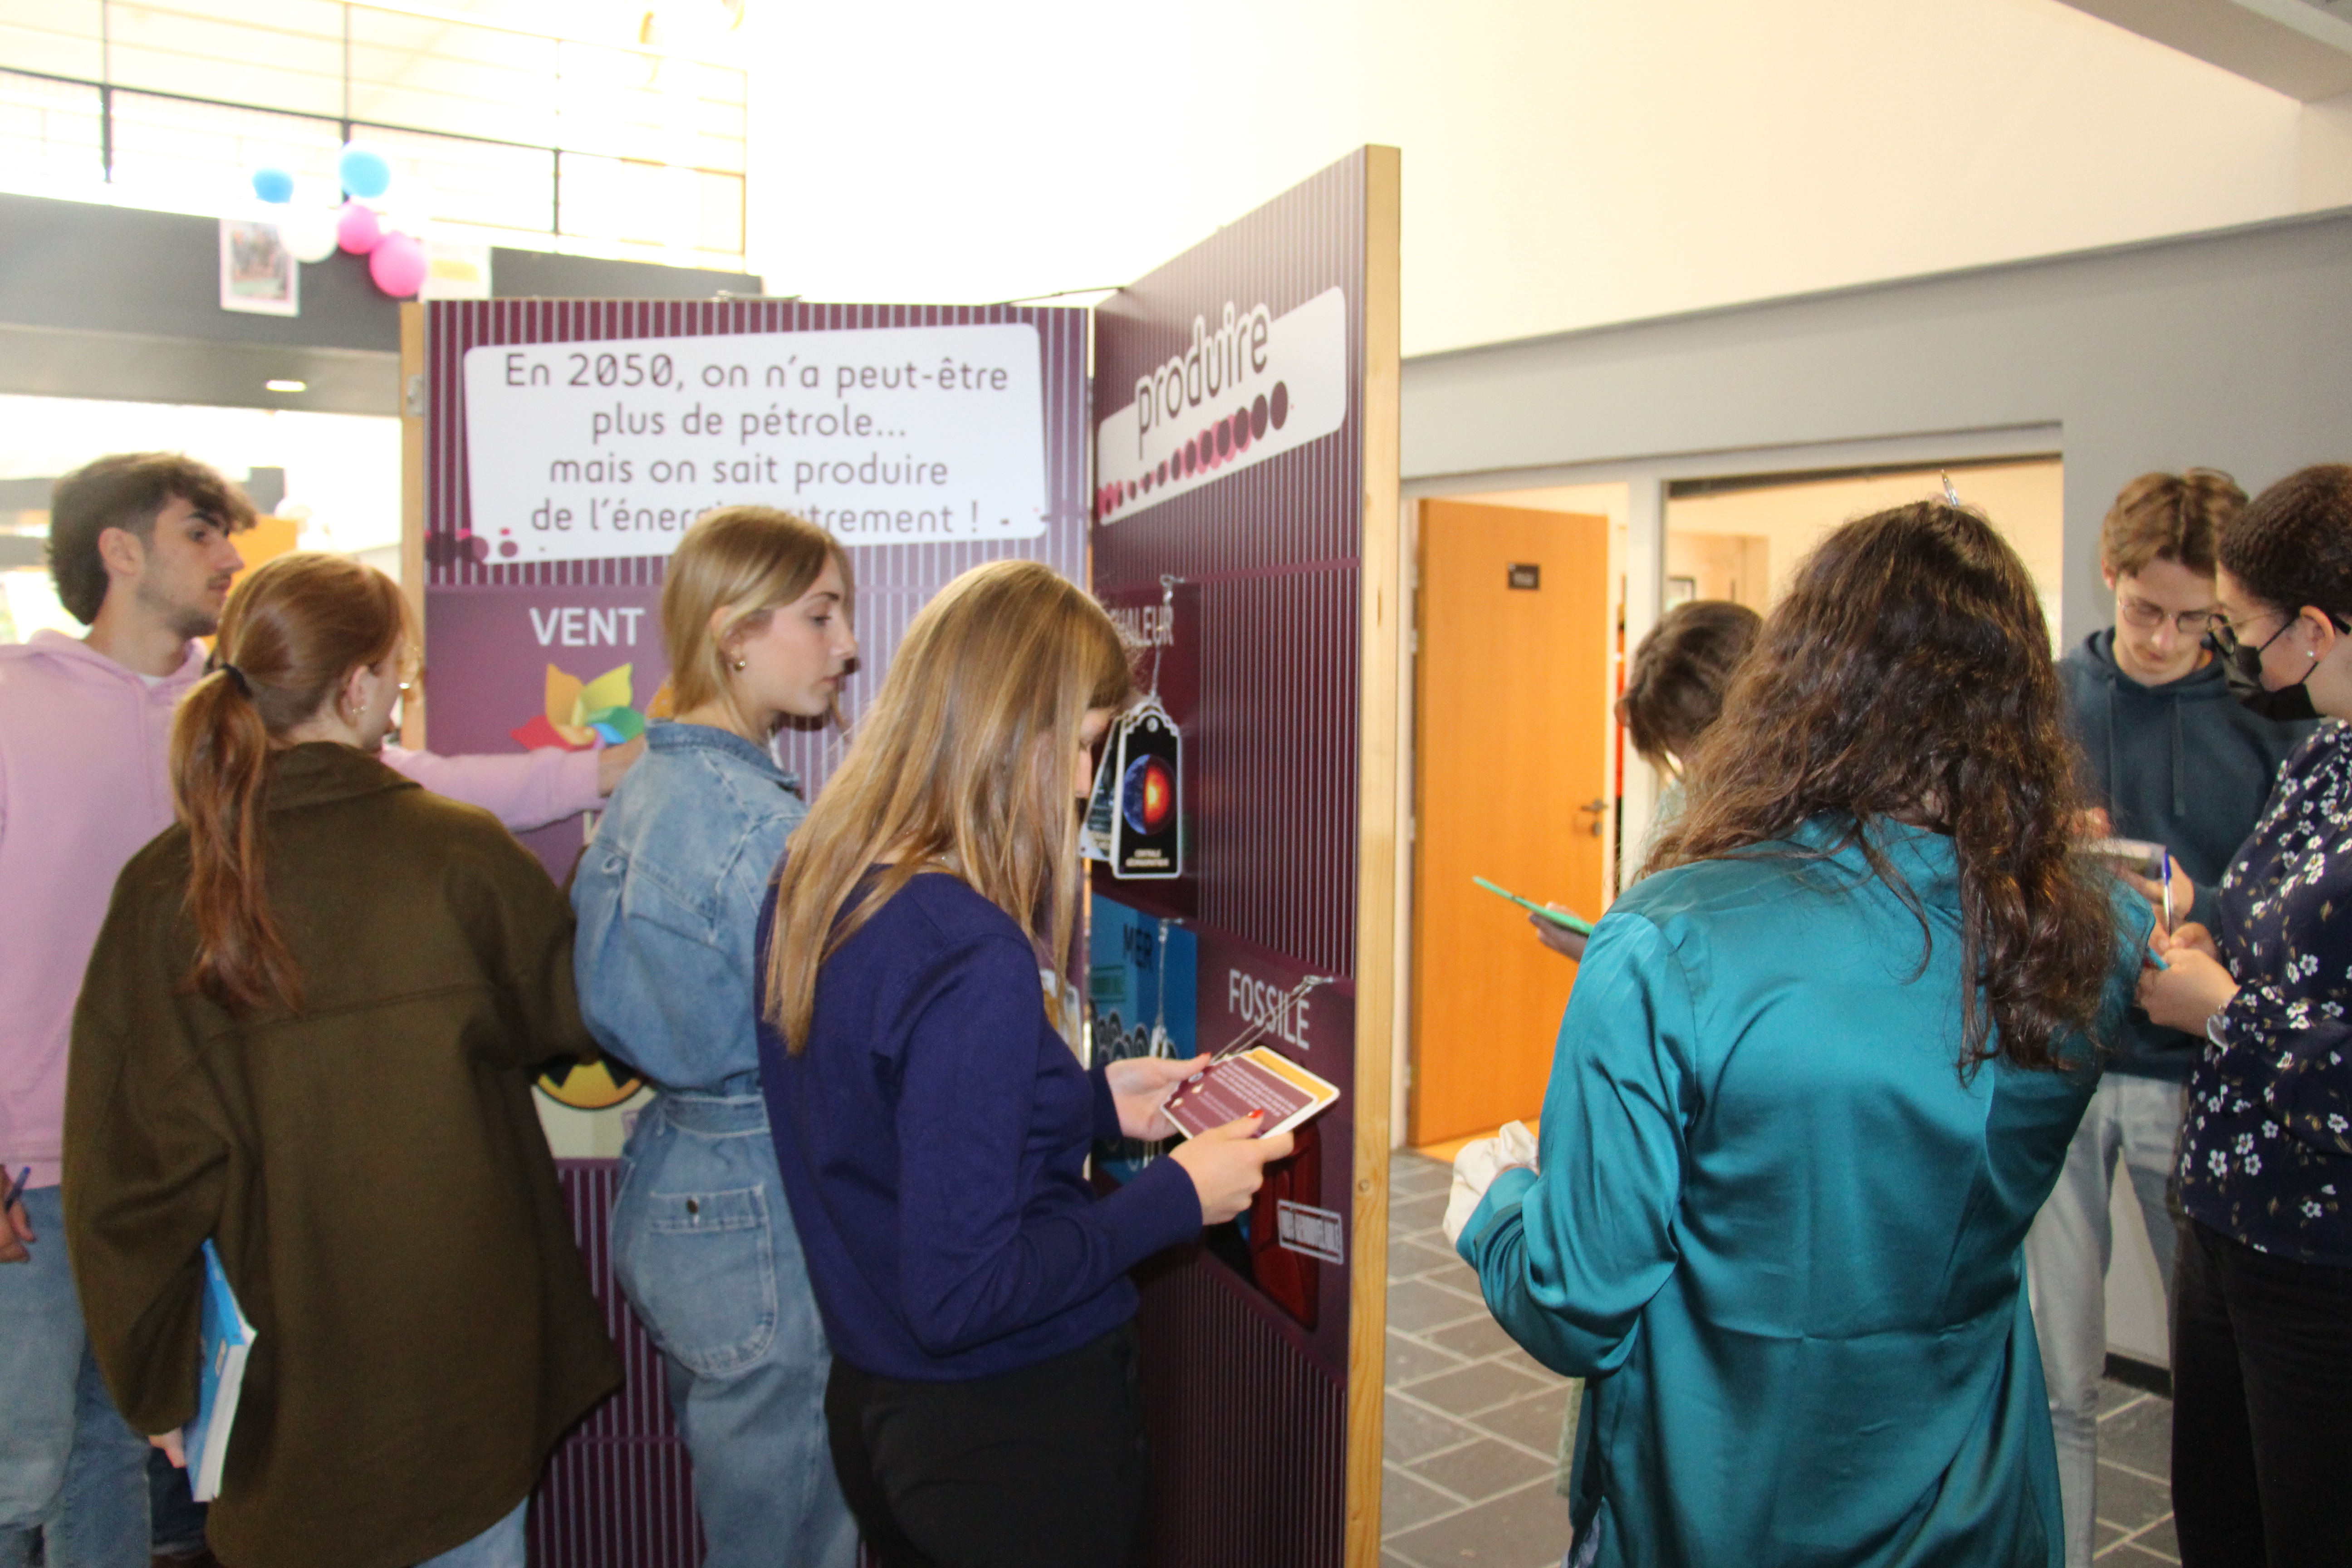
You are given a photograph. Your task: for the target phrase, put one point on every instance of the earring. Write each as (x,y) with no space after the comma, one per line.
(741,662)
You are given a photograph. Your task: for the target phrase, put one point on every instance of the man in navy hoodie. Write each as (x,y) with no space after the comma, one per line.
(2171,756)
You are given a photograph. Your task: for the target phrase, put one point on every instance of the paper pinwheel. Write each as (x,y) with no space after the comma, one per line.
(582,712)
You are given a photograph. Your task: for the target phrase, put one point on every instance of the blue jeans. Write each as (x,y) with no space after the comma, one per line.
(73,1476)
(2136,1121)
(503,1545)
(704,1245)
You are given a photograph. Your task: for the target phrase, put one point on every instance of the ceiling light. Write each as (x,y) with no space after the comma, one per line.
(286,386)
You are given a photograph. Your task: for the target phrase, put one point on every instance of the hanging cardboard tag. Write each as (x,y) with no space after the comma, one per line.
(1145,837)
(1102,806)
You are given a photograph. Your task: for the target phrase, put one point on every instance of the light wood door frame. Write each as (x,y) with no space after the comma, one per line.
(412,504)
(1376,849)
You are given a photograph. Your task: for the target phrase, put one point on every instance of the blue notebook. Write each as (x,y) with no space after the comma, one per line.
(227,1340)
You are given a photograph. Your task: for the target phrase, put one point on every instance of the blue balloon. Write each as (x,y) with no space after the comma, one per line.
(363,172)
(273,184)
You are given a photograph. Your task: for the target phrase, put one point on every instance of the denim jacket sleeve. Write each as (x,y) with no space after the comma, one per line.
(669,900)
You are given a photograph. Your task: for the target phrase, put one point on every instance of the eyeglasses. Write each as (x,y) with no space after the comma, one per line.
(2147,616)
(2226,637)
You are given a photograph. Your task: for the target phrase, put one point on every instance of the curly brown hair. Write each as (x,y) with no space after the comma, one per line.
(1908,674)
(2293,546)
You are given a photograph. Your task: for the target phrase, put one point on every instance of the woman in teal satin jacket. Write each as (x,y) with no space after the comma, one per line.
(1819,1072)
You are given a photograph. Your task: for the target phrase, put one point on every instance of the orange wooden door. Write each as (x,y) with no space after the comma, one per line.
(269,538)
(1510,765)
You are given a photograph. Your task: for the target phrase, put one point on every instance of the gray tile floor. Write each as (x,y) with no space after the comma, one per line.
(2134,1477)
(1473,1422)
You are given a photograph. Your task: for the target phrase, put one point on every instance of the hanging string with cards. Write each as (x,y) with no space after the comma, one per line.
(1159,1042)
(1270,1017)
(1165,633)
(1246,1078)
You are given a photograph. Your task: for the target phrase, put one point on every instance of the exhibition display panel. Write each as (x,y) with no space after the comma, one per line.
(1245,429)
(1232,475)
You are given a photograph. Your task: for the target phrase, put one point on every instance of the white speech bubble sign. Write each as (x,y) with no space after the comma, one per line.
(587,451)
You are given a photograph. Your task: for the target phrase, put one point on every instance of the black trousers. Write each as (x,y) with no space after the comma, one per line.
(2262,1413)
(1043,1467)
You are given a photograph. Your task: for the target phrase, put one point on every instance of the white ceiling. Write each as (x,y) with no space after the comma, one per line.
(2300,47)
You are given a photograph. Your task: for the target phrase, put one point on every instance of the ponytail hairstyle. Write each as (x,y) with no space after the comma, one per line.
(735,568)
(293,631)
(962,765)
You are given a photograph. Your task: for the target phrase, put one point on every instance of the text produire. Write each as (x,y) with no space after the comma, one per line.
(1237,394)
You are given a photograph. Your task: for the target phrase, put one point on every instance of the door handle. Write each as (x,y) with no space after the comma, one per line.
(1598,811)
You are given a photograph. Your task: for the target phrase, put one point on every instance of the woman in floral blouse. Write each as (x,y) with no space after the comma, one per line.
(2262,1348)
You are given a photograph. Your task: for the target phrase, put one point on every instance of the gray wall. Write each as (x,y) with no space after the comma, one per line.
(100,301)
(2231,349)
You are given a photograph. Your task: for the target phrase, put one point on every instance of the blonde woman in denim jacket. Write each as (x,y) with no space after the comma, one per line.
(756,611)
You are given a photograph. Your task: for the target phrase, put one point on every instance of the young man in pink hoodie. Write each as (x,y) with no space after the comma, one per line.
(141,547)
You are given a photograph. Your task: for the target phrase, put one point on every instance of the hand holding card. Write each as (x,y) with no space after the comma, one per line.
(1139,1087)
(1227,1165)
(1259,1081)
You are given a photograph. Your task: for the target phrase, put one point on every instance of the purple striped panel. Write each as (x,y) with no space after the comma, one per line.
(1249,1437)
(1274,547)
(893,581)
(1249,1432)
(619,1492)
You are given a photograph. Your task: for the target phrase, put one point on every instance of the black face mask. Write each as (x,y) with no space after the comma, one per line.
(2244,666)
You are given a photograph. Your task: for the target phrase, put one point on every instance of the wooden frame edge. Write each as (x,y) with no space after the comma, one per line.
(1409,787)
(1376,848)
(411,502)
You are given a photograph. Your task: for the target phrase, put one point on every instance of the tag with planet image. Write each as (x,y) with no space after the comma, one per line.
(1147,763)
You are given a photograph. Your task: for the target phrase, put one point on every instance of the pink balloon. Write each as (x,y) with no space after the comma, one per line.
(397,265)
(357,230)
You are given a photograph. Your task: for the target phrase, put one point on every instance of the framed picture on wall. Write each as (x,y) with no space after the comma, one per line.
(258,273)
(1681,591)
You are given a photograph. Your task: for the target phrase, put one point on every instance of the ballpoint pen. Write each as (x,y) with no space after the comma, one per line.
(2165,870)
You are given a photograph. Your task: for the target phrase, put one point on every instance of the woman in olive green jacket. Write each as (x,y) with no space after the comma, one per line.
(307,1033)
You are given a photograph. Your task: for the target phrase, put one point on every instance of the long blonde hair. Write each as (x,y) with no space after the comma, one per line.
(736,567)
(295,628)
(962,765)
